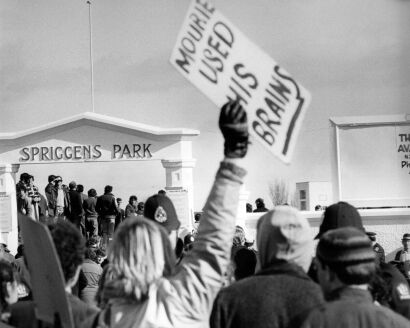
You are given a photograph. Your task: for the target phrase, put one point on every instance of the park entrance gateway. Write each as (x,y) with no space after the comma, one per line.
(96,150)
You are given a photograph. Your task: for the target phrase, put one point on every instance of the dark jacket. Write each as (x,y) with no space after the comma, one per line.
(399,289)
(75,203)
(89,207)
(106,205)
(278,296)
(351,307)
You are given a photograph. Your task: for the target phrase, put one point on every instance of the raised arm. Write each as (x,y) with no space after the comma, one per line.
(199,277)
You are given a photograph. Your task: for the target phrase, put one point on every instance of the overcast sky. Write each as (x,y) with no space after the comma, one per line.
(352,55)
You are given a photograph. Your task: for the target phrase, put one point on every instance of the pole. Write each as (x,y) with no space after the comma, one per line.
(91,54)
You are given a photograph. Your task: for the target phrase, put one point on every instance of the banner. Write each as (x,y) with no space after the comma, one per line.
(225,65)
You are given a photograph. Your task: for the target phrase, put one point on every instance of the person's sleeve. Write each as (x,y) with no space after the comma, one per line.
(28,207)
(397,257)
(199,276)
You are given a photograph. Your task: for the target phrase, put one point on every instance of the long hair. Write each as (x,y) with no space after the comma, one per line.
(139,256)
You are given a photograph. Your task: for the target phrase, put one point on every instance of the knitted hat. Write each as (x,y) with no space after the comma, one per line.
(160,209)
(340,215)
(346,245)
(283,234)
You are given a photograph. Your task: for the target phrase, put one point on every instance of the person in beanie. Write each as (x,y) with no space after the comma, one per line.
(346,265)
(160,209)
(280,294)
(340,215)
(144,287)
(380,257)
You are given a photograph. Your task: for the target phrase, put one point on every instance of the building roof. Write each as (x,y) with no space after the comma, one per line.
(371,120)
(102,121)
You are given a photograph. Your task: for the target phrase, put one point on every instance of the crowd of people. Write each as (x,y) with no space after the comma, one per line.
(132,267)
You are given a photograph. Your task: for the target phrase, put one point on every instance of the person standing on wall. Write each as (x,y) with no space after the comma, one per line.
(91,215)
(59,200)
(48,191)
(107,210)
(75,205)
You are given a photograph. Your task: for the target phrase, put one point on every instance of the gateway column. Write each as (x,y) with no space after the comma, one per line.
(8,206)
(180,187)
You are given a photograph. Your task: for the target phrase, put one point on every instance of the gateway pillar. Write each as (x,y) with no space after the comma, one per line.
(180,187)
(8,206)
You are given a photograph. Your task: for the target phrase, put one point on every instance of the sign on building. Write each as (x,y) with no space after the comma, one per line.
(225,65)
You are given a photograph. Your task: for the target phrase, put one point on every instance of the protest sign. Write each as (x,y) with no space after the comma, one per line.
(47,278)
(225,65)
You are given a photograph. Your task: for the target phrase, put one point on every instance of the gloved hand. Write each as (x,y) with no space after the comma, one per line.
(233,123)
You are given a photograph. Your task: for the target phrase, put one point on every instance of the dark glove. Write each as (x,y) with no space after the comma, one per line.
(233,123)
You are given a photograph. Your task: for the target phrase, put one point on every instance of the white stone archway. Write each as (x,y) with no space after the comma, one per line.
(98,141)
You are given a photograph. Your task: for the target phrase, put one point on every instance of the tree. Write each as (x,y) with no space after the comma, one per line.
(280,194)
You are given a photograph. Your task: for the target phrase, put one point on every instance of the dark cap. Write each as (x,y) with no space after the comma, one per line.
(406,236)
(340,215)
(371,235)
(346,245)
(160,209)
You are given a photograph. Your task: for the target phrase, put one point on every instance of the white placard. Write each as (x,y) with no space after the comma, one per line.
(224,64)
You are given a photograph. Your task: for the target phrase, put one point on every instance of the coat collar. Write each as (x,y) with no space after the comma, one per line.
(351,294)
(283,267)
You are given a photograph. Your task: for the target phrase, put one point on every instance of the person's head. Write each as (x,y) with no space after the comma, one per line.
(245,263)
(284,235)
(344,257)
(92,192)
(107,189)
(340,215)
(318,208)
(406,241)
(162,192)
(140,206)
(372,236)
(8,285)
(92,242)
(58,182)
(70,247)
(72,185)
(161,210)
(21,191)
(249,208)
(197,217)
(139,256)
(30,180)
(259,203)
(51,178)
(133,200)
(90,254)
(119,201)
(80,188)
(188,242)
(239,237)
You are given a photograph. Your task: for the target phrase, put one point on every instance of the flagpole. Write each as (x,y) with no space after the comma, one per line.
(91,54)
